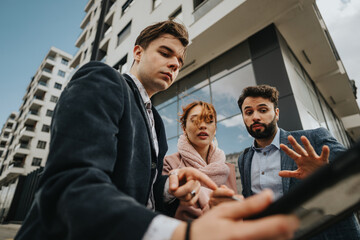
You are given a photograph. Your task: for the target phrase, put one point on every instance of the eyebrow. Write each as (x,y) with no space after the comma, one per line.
(172,52)
(260,105)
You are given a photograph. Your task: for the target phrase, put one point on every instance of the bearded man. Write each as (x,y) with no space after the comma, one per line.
(264,165)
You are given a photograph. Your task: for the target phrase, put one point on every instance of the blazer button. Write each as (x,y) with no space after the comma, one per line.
(153,165)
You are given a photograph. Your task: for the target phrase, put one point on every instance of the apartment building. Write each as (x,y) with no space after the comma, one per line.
(5,137)
(28,133)
(233,44)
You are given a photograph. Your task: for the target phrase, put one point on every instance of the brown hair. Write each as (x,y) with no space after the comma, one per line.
(154,31)
(208,113)
(264,91)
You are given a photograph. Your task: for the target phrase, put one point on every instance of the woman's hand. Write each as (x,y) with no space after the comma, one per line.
(223,194)
(185,184)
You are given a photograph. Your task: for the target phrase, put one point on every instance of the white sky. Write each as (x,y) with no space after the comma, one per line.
(342,18)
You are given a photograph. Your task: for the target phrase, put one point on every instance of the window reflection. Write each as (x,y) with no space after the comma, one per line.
(226,91)
(200,95)
(232,135)
(172,146)
(170,119)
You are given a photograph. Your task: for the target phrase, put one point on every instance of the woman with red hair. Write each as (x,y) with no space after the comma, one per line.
(197,149)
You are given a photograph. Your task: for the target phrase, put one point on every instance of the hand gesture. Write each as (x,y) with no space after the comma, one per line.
(185,184)
(225,222)
(306,159)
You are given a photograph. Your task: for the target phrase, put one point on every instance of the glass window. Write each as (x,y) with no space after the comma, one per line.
(61,73)
(123,33)
(231,60)
(232,136)
(202,94)
(64,61)
(36,161)
(226,91)
(41,144)
(169,115)
(49,113)
(45,128)
(193,83)
(54,99)
(172,145)
(58,86)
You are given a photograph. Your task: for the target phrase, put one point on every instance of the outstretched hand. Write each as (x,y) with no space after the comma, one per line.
(185,184)
(306,159)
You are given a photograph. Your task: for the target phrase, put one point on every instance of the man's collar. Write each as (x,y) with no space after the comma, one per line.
(144,95)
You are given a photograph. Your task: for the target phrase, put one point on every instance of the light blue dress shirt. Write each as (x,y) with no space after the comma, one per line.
(265,168)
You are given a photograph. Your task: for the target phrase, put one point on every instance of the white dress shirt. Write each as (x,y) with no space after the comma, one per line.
(265,168)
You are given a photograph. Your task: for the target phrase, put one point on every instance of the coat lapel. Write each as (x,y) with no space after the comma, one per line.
(247,172)
(141,106)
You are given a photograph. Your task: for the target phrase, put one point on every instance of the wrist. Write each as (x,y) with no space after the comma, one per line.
(179,233)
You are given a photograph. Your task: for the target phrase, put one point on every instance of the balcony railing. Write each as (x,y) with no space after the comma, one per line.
(16,164)
(32,112)
(27,128)
(42,83)
(34,99)
(47,70)
(22,145)
(51,58)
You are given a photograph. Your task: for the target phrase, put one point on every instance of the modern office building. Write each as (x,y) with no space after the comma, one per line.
(25,137)
(234,44)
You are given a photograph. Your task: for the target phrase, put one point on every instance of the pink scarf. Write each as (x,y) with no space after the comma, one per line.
(217,170)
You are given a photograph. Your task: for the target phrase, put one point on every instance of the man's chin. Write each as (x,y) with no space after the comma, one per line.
(258,134)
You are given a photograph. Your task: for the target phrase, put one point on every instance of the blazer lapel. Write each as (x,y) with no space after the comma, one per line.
(286,162)
(141,106)
(160,132)
(247,170)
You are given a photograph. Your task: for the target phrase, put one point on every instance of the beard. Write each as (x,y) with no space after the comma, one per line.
(268,132)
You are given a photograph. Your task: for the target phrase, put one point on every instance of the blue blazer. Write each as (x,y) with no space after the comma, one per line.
(101,163)
(346,229)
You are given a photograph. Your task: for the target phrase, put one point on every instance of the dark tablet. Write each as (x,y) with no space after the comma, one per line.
(324,198)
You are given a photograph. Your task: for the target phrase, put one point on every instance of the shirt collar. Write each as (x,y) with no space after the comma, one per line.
(144,95)
(275,142)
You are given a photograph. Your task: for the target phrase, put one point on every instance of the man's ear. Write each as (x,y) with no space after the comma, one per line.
(277,111)
(137,52)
